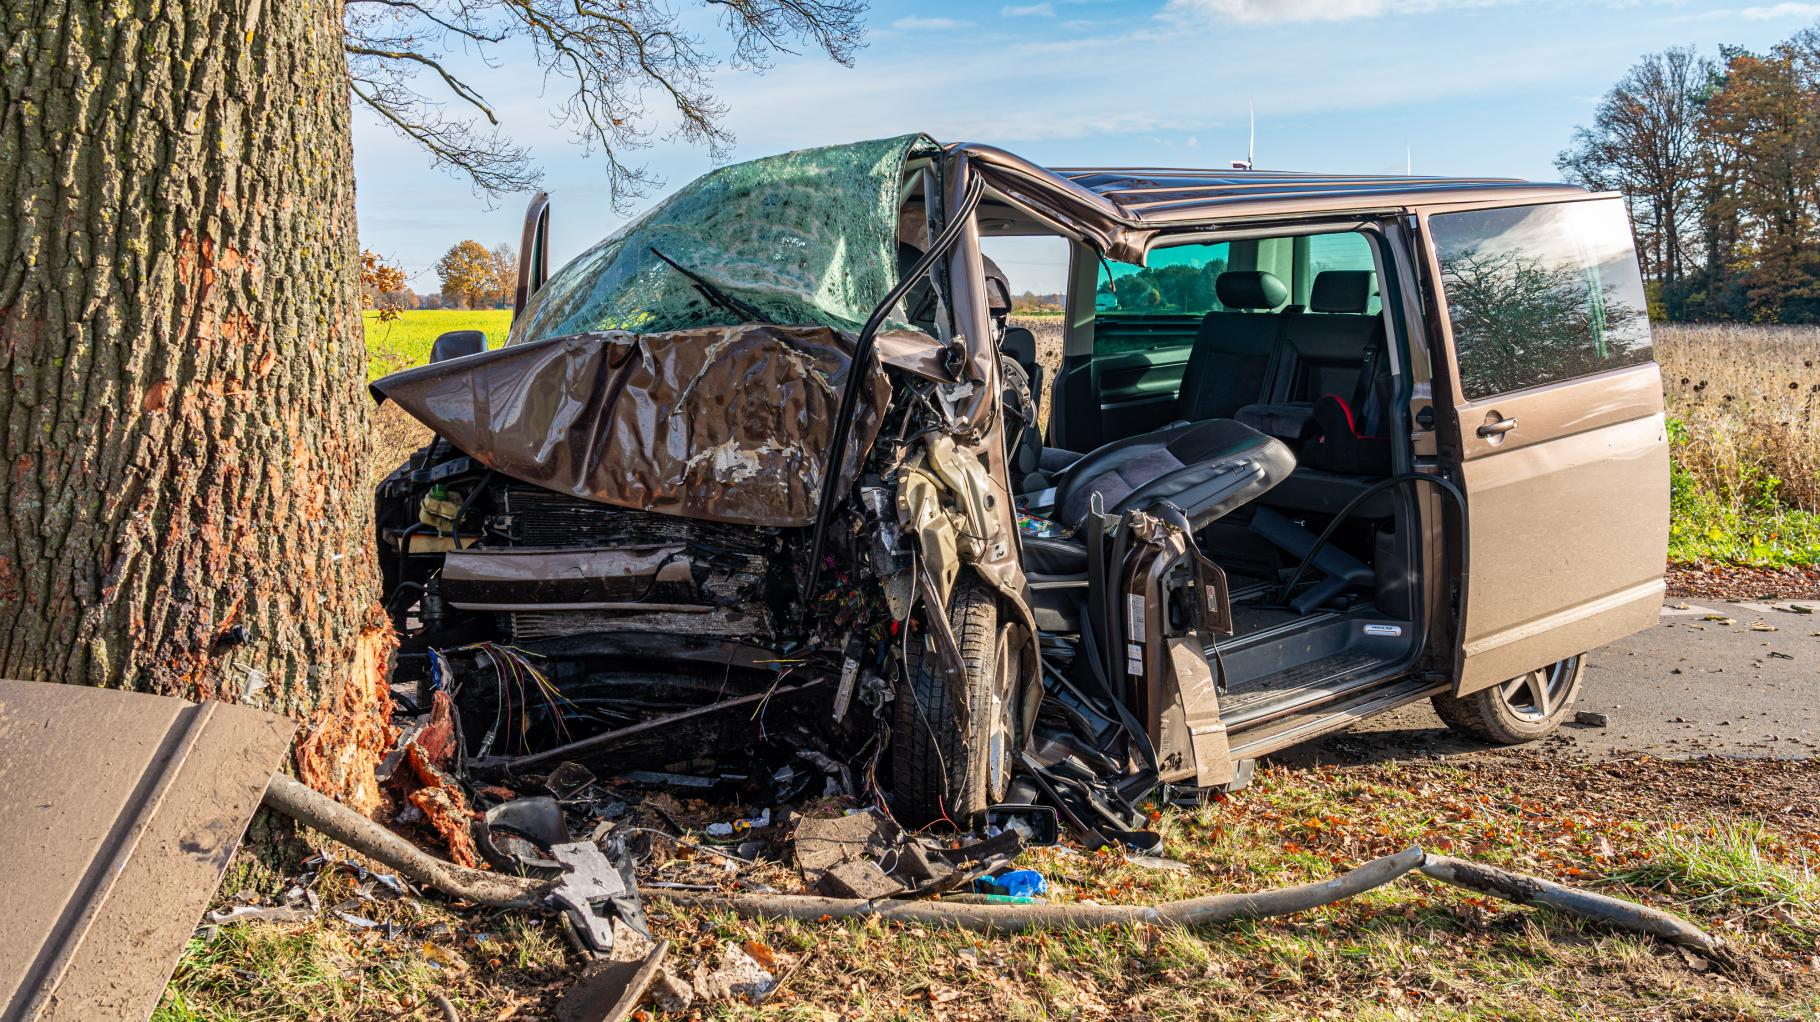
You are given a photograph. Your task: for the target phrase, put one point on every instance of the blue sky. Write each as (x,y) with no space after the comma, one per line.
(1453,86)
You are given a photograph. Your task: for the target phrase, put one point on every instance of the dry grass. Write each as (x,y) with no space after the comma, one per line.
(1749,401)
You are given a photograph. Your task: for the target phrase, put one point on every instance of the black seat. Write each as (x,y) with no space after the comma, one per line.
(1233,350)
(1205,468)
(1231,362)
(1324,351)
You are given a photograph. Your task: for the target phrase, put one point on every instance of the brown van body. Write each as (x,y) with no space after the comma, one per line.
(1514,515)
(1566,529)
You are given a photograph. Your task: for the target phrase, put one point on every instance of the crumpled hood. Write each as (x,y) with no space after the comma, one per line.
(728,424)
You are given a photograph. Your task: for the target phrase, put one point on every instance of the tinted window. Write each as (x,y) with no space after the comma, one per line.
(1349,251)
(1178,281)
(1542,293)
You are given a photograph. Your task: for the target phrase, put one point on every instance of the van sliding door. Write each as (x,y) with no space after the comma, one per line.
(1556,429)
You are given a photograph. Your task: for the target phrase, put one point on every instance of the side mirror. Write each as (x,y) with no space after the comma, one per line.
(533,252)
(456,343)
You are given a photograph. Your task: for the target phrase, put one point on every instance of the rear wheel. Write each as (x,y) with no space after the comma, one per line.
(1523,709)
(951,757)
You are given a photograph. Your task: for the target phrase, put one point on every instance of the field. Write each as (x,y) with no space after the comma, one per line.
(1744,425)
(405,342)
(1744,422)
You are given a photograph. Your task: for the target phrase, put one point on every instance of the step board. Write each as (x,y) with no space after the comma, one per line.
(1303,684)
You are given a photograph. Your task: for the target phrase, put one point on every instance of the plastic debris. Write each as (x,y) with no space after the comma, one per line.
(1016,883)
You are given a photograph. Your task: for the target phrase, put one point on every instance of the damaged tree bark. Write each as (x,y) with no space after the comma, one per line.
(182,424)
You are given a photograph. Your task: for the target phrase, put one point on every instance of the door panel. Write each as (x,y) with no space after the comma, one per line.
(1138,390)
(1138,364)
(1556,430)
(1567,522)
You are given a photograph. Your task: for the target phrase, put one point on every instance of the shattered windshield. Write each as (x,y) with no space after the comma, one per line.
(803,238)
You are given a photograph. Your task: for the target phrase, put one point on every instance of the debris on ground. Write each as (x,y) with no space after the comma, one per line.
(1735,583)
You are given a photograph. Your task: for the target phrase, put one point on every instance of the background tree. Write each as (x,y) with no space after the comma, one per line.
(1645,142)
(183,425)
(505,271)
(1763,123)
(613,56)
(469,275)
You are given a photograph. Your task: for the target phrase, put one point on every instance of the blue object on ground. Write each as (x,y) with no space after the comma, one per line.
(1017,883)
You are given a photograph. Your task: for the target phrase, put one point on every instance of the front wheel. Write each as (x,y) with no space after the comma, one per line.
(1523,709)
(952,739)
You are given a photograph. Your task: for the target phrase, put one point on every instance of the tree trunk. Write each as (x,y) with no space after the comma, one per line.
(183,423)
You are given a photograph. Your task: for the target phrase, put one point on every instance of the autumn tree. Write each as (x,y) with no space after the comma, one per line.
(1763,130)
(469,275)
(183,428)
(505,271)
(380,284)
(1645,141)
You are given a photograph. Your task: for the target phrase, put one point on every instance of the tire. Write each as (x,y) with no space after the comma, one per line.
(949,761)
(1523,709)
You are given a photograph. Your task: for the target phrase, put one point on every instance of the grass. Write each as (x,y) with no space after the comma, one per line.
(405,342)
(1744,406)
(1413,949)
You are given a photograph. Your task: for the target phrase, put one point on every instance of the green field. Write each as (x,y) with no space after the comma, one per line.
(405,341)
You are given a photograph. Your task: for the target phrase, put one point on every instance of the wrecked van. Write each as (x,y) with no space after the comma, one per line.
(766,489)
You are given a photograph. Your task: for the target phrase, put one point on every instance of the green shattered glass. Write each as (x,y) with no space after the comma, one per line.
(808,238)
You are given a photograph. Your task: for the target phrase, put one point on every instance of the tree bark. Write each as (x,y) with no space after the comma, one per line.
(183,422)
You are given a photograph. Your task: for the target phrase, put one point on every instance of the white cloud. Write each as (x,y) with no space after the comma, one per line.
(1046,10)
(1262,11)
(928,24)
(1775,12)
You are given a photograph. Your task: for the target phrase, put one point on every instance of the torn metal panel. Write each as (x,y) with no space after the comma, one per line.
(123,810)
(726,424)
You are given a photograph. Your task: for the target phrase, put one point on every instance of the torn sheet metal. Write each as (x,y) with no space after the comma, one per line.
(122,811)
(726,424)
(805,237)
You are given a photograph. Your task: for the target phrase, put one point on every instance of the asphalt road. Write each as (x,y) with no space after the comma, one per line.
(1736,679)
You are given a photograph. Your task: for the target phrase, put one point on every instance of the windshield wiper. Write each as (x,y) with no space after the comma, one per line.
(747,312)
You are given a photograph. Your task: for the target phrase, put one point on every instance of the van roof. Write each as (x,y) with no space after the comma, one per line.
(1169,193)
(1159,196)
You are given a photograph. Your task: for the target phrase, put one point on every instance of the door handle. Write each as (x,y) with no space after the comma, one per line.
(1497,428)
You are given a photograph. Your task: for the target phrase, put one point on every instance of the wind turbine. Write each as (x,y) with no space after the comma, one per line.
(1251,142)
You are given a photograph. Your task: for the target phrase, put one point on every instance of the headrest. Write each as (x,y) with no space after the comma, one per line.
(1340,291)
(1020,343)
(1250,289)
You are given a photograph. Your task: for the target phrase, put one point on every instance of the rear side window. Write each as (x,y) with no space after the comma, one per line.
(1537,294)
(1178,282)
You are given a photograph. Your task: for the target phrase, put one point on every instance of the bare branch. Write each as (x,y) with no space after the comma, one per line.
(465,30)
(456,85)
(612,54)
(493,164)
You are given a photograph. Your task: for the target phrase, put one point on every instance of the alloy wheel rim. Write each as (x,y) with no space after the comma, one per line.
(1536,695)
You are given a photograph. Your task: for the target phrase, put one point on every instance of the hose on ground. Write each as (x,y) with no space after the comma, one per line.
(496,890)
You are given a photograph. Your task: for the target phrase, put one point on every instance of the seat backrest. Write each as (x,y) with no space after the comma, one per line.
(1233,350)
(1020,344)
(1205,468)
(1327,346)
